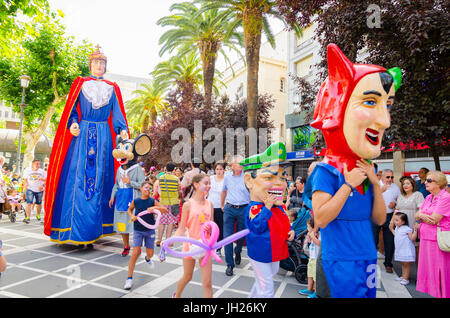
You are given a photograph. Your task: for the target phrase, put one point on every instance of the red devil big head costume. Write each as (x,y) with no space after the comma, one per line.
(352,108)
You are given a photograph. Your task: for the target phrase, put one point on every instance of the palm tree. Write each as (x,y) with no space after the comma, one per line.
(252,14)
(184,70)
(207,31)
(144,109)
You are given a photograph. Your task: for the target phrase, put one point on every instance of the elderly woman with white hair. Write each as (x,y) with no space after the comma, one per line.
(433,273)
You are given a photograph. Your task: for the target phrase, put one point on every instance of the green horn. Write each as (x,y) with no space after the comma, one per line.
(396,74)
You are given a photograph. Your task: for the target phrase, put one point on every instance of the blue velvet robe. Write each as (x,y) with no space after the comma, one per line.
(81,212)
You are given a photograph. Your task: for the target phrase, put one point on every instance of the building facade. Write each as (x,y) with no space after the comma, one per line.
(302,55)
(272,80)
(127,84)
(9,136)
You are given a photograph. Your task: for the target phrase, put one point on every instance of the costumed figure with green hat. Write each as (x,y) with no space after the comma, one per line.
(352,111)
(265,178)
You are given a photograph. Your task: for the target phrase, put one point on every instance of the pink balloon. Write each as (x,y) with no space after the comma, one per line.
(208,245)
(149,226)
(210,242)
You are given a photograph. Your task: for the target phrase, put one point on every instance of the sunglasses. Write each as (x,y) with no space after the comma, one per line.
(429,180)
(389,177)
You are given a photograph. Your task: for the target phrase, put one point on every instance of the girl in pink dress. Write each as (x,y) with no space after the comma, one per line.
(196,211)
(433,273)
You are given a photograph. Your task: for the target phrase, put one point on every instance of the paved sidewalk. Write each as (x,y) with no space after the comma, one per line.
(40,268)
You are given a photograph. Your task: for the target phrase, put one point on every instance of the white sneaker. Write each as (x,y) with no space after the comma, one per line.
(404,281)
(128,284)
(379,255)
(398,279)
(149,262)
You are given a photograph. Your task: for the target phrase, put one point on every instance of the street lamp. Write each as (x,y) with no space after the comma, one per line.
(24,82)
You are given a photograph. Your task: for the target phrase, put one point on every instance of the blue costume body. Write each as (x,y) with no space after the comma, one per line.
(81,213)
(349,255)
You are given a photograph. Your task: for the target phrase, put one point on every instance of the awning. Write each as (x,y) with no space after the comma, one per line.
(8,139)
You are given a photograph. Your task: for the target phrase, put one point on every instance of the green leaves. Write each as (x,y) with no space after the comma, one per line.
(51,59)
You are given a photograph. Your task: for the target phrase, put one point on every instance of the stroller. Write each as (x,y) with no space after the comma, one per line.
(7,209)
(297,261)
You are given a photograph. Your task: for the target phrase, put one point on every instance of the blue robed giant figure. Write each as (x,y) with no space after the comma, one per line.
(79,210)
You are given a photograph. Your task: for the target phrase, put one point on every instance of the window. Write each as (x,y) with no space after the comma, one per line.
(307,35)
(282,84)
(6,114)
(304,66)
(240,90)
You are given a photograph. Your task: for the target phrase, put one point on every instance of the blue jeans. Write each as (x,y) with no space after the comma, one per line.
(231,216)
(147,237)
(36,195)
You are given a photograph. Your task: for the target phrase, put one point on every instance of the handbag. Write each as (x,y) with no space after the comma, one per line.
(443,238)
(174,208)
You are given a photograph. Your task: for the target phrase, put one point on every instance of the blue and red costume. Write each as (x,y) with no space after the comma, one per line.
(267,240)
(88,216)
(266,245)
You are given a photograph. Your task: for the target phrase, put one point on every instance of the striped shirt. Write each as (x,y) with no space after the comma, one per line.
(172,189)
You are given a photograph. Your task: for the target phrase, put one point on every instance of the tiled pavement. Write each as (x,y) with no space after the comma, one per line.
(40,268)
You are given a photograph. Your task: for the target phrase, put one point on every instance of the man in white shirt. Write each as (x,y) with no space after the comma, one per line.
(33,185)
(390,194)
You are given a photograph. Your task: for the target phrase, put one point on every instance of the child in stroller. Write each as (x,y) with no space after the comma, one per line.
(13,204)
(297,261)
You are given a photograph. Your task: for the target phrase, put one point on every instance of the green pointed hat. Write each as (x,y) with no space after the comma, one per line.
(396,74)
(274,155)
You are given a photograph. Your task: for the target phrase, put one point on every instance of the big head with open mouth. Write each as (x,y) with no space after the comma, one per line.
(352,108)
(367,116)
(127,150)
(265,181)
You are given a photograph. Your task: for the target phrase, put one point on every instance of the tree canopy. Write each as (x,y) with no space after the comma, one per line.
(53,61)
(222,114)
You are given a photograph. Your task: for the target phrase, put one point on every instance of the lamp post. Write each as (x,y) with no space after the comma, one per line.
(24,82)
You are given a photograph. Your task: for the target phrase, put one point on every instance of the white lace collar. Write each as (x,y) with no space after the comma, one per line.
(97,92)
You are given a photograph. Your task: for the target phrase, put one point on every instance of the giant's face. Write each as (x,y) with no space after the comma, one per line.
(268,180)
(98,67)
(367,116)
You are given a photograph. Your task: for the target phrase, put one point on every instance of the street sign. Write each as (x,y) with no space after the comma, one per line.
(304,154)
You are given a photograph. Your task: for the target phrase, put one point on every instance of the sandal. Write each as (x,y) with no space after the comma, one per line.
(126,251)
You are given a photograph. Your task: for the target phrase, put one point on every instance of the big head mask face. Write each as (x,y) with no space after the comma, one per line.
(352,107)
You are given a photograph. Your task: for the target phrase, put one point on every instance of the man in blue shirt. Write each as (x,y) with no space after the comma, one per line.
(234,200)
(421,183)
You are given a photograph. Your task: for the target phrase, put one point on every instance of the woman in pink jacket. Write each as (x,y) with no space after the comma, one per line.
(433,274)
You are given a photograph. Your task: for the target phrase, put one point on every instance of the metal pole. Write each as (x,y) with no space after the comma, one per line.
(22,105)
